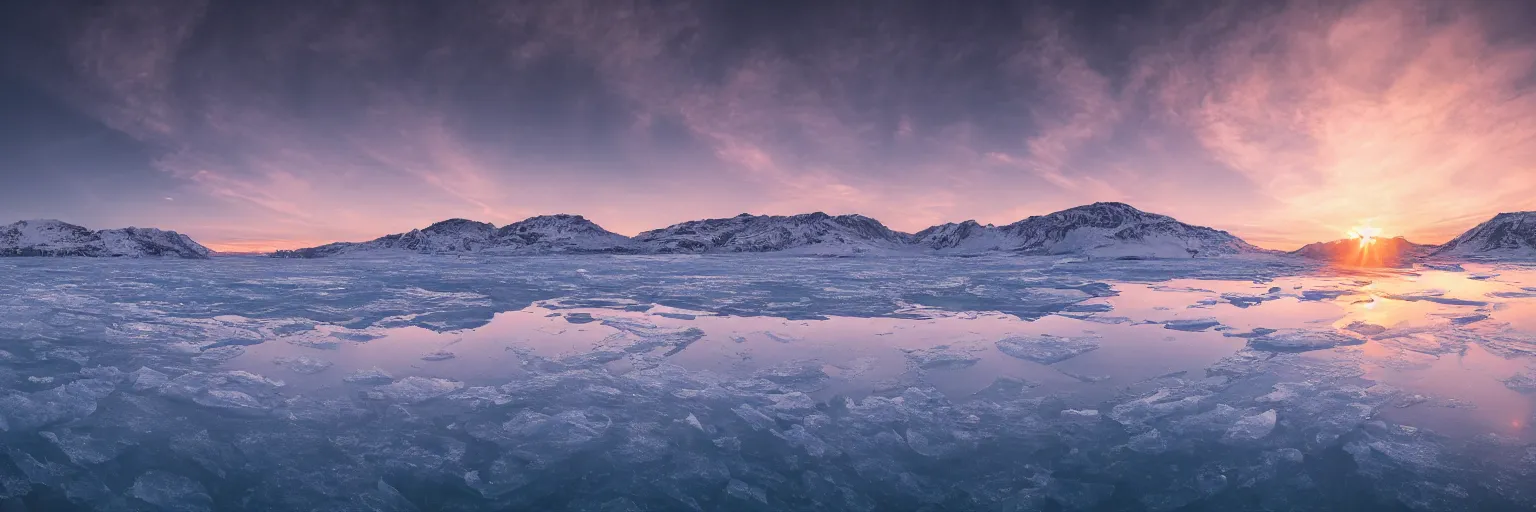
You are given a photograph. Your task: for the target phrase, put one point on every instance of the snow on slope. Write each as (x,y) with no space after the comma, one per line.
(545,234)
(1505,236)
(811,233)
(55,238)
(1109,230)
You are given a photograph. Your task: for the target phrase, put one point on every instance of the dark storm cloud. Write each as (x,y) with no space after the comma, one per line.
(284,123)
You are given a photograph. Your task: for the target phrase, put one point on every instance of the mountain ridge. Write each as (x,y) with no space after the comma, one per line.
(543,234)
(1111,230)
(1506,235)
(1098,230)
(50,237)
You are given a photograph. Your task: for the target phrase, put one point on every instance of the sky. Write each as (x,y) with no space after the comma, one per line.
(255,126)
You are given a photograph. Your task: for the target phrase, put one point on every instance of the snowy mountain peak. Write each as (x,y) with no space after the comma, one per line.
(968,235)
(1100,215)
(1106,229)
(1506,235)
(557,223)
(49,237)
(459,226)
(560,233)
(543,234)
(817,233)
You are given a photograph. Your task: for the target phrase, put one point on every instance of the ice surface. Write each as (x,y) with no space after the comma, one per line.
(704,383)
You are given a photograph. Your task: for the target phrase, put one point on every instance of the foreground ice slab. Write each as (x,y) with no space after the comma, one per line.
(698,383)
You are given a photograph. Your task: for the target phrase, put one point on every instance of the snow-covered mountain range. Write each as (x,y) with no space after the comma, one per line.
(1506,235)
(545,234)
(56,238)
(1098,230)
(1111,230)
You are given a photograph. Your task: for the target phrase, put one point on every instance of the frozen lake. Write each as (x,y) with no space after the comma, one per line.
(764,383)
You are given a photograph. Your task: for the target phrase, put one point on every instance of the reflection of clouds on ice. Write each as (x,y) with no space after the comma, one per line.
(493,384)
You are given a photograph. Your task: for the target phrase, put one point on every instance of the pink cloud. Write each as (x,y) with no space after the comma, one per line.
(1381,111)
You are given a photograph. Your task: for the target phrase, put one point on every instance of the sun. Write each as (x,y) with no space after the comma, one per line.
(1365,234)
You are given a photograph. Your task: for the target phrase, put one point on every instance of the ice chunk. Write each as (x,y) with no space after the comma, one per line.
(647,336)
(578,318)
(942,356)
(231,400)
(171,492)
(385,498)
(303,365)
(237,392)
(219,354)
(814,446)
(417,389)
(1149,442)
(1243,300)
(1435,296)
(740,490)
(1365,329)
(373,376)
(729,444)
(1251,428)
(803,375)
(1302,340)
(1080,413)
(1191,324)
(21,412)
(1322,295)
(754,418)
(83,448)
(1524,382)
(1045,348)
(439,355)
(1159,404)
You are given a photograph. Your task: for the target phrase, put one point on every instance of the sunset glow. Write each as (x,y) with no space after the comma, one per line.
(1365,234)
(1271,123)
